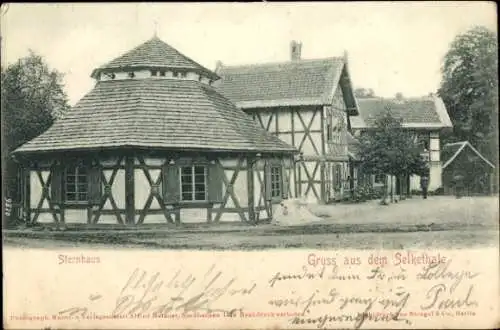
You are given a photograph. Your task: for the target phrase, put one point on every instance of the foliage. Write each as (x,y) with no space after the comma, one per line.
(389,149)
(32,97)
(365,192)
(364,92)
(469,89)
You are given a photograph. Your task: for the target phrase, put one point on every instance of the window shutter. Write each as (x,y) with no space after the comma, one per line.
(284,179)
(95,186)
(171,184)
(56,184)
(214,180)
(267,180)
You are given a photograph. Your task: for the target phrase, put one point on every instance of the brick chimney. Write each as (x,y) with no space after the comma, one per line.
(218,67)
(295,50)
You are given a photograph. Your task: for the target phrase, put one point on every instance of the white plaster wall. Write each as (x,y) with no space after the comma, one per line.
(110,219)
(44,217)
(141,189)
(36,188)
(434,156)
(230,217)
(434,144)
(231,162)
(75,216)
(435,177)
(284,121)
(194,215)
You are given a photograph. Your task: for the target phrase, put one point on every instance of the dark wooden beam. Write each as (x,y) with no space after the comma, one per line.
(27,194)
(129,190)
(250,186)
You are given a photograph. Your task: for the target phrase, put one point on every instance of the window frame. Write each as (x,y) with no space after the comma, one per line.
(75,172)
(276,184)
(193,183)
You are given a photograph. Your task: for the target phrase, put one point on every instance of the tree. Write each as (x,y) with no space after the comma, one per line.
(32,97)
(389,149)
(469,89)
(364,92)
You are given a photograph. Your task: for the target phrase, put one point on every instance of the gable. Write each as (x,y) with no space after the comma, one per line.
(459,152)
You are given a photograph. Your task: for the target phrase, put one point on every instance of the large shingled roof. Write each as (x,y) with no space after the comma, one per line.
(424,112)
(155,113)
(154,53)
(301,82)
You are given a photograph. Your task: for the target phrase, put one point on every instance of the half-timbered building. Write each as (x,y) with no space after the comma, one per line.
(306,103)
(426,117)
(154,142)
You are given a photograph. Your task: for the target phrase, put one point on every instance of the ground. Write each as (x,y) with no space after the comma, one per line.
(438,222)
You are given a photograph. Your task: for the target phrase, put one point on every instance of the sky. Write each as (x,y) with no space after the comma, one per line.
(392,47)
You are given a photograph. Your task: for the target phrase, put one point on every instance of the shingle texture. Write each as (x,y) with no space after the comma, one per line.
(154,53)
(155,113)
(424,111)
(304,81)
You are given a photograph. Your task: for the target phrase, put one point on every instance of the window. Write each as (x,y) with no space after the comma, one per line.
(175,74)
(162,73)
(131,75)
(154,73)
(76,184)
(328,132)
(194,183)
(183,74)
(275,181)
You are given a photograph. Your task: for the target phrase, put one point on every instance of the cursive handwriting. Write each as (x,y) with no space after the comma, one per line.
(389,310)
(440,297)
(304,275)
(314,299)
(145,293)
(439,271)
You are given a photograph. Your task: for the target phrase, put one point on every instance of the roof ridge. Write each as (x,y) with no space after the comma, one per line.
(264,64)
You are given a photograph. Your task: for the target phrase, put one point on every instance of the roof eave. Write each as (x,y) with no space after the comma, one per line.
(33,152)
(279,103)
(96,72)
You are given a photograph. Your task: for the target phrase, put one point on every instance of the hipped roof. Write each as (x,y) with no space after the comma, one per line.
(154,53)
(292,83)
(155,113)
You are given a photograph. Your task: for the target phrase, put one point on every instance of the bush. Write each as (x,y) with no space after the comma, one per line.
(363,193)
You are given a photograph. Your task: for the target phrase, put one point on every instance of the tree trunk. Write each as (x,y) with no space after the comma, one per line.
(385,195)
(392,192)
(402,193)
